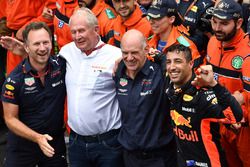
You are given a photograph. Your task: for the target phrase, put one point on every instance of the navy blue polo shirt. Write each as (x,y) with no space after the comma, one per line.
(41,107)
(144,108)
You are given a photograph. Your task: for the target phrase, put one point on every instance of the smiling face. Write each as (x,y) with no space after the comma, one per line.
(134,51)
(38,46)
(84,34)
(161,25)
(179,68)
(124,7)
(225,30)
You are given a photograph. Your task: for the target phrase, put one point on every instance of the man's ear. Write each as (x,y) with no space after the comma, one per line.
(239,23)
(172,19)
(26,48)
(146,49)
(97,29)
(191,63)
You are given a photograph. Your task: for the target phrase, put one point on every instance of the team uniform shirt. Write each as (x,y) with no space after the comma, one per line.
(106,17)
(92,104)
(195,114)
(135,21)
(64,10)
(40,107)
(145,122)
(20,13)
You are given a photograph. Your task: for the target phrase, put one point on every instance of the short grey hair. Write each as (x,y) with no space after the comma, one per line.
(90,16)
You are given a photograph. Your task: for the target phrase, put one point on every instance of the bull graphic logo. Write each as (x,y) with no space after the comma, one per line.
(179,119)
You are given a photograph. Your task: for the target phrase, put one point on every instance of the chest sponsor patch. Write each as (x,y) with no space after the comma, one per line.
(146,82)
(60,24)
(123,82)
(195,163)
(123,90)
(10,80)
(191,110)
(194,9)
(246,78)
(30,88)
(29,81)
(9,87)
(179,119)
(148,92)
(8,94)
(109,13)
(187,97)
(55,73)
(57,83)
(237,62)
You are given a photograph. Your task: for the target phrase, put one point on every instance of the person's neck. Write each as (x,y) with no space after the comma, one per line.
(40,68)
(90,50)
(176,86)
(165,35)
(131,74)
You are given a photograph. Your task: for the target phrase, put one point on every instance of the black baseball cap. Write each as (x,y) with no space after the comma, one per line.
(226,10)
(160,8)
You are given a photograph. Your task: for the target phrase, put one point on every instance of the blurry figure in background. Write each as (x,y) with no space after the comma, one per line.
(129,17)
(227,51)
(19,13)
(165,24)
(144,5)
(194,18)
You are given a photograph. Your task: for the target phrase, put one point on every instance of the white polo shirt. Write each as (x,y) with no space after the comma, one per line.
(92,104)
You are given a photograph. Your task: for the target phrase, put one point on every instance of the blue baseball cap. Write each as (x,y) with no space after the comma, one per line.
(226,10)
(160,8)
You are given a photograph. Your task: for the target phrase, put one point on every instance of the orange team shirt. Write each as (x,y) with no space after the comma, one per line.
(3,6)
(228,62)
(63,12)
(106,16)
(176,37)
(135,21)
(20,13)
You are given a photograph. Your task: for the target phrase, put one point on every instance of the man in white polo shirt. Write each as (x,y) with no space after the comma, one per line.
(93,111)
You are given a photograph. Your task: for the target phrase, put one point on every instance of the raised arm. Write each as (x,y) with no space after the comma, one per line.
(13,45)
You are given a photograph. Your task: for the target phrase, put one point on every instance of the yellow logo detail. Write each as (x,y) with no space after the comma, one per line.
(187,97)
(10,87)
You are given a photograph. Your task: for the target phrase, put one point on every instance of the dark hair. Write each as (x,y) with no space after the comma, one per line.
(177,20)
(181,48)
(35,26)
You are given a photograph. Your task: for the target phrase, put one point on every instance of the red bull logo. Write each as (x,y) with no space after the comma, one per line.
(179,119)
(191,136)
